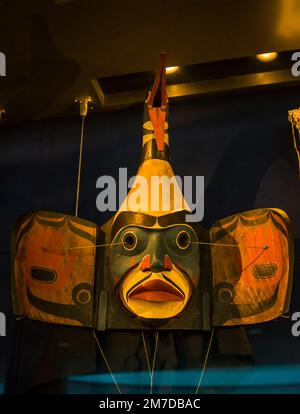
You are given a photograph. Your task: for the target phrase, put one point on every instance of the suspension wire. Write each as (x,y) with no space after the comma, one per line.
(253,261)
(83,115)
(212,244)
(106,361)
(231,245)
(94,245)
(79,165)
(205,361)
(296,146)
(151,368)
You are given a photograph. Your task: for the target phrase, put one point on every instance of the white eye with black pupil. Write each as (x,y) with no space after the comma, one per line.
(183,240)
(129,241)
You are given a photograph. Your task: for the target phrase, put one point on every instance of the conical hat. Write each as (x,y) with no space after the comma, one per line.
(155,190)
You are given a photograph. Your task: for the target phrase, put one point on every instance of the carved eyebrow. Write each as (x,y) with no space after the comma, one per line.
(141,219)
(129,217)
(177,217)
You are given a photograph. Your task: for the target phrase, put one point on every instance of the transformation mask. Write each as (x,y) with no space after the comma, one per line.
(147,267)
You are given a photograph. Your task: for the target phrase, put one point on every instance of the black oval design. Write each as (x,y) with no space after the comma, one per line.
(42,274)
(265,271)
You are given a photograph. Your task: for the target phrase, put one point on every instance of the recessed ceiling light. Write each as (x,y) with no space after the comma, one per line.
(267,57)
(171,69)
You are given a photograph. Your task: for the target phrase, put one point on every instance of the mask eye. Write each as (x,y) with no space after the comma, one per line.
(129,241)
(183,240)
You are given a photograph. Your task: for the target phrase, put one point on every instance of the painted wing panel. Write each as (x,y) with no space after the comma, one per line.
(54,258)
(252,265)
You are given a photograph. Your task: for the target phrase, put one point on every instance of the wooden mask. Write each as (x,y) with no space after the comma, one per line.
(149,268)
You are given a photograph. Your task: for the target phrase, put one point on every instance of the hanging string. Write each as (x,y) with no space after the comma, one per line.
(79,165)
(94,245)
(296,146)
(83,113)
(237,245)
(151,368)
(205,361)
(211,244)
(253,261)
(231,245)
(106,361)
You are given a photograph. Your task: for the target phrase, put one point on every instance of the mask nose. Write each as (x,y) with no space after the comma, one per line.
(156,263)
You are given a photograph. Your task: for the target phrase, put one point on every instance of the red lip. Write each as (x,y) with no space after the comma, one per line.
(156,291)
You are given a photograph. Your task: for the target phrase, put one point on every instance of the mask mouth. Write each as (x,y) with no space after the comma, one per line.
(157,290)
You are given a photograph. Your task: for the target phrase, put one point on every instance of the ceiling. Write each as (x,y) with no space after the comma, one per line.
(55,48)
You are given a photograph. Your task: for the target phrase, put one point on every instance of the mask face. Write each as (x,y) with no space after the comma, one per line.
(155,269)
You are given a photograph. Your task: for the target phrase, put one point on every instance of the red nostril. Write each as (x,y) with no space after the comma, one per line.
(145,263)
(167,263)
